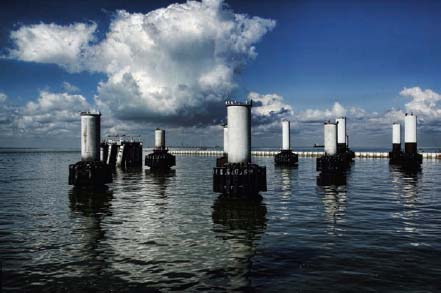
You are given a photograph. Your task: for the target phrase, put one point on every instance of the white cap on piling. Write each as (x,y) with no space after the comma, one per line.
(341,130)
(396,133)
(225,138)
(159,138)
(90,136)
(239,131)
(330,138)
(286,135)
(410,125)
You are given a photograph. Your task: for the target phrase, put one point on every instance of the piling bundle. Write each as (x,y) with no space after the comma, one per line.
(286,157)
(90,171)
(333,164)
(238,176)
(410,158)
(160,159)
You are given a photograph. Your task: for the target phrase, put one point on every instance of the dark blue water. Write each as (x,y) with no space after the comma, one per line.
(381,231)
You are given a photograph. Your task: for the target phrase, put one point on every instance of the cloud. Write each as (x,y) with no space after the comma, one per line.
(70,88)
(52,43)
(267,111)
(52,114)
(3,98)
(174,64)
(424,103)
(317,115)
(8,115)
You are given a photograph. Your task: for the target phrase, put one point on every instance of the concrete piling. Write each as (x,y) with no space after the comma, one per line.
(334,163)
(90,172)
(286,157)
(238,176)
(160,159)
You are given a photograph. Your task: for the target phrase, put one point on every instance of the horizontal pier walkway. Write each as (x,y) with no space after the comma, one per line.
(301,154)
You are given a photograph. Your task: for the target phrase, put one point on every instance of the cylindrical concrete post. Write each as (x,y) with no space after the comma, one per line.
(410,135)
(396,133)
(226,139)
(239,132)
(330,138)
(341,130)
(90,136)
(159,139)
(286,135)
(396,137)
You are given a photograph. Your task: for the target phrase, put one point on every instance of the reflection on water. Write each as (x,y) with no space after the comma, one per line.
(246,215)
(406,183)
(172,233)
(331,179)
(161,179)
(335,202)
(95,204)
(91,207)
(239,222)
(284,175)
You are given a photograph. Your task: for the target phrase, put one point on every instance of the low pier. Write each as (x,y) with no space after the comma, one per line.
(124,152)
(371,155)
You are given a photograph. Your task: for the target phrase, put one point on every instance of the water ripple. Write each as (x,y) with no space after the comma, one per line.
(167,232)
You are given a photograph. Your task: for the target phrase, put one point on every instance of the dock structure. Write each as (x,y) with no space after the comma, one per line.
(286,157)
(122,151)
(238,176)
(301,154)
(90,172)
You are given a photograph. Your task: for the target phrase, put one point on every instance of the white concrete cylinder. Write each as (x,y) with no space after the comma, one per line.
(286,135)
(159,138)
(330,138)
(410,125)
(396,133)
(341,130)
(239,132)
(90,136)
(226,139)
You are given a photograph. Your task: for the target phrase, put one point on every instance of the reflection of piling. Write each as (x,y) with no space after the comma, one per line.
(410,158)
(90,171)
(286,157)
(160,159)
(239,176)
(333,164)
(240,214)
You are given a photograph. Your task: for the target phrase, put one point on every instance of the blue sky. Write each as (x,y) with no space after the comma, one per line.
(361,54)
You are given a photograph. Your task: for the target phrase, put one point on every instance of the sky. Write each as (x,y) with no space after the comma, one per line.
(168,64)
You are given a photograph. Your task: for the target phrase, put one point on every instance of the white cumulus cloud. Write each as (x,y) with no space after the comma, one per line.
(70,88)
(52,43)
(52,113)
(174,64)
(424,102)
